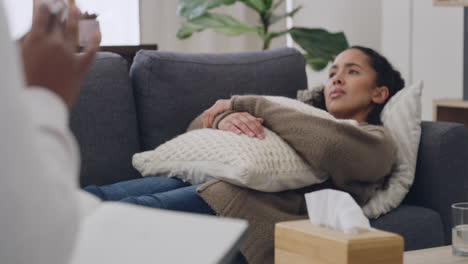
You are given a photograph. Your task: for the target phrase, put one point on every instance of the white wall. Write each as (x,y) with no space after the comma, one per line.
(359,19)
(397,34)
(159,24)
(434,53)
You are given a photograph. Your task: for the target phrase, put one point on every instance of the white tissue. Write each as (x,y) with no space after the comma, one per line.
(336,210)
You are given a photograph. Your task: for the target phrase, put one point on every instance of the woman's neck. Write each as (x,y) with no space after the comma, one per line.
(359,116)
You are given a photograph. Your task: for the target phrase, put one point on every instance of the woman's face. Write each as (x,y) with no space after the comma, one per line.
(351,91)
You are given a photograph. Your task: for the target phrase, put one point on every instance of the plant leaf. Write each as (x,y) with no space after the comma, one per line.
(317,64)
(187,29)
(216,3)
(194,8)
(274,19)
(273,35)
(321,46)
(268,4)
(224,24)
(257,5)
(277,4)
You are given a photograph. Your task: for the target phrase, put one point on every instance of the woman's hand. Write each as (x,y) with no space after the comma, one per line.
(210,114)
(243,123)
(49,53)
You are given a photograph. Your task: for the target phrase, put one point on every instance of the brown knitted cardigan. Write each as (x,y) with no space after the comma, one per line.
(357,159)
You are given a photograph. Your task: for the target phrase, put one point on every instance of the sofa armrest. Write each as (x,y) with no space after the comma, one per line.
(442,170)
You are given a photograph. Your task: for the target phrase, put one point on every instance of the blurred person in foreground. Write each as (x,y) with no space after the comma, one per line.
(39,161)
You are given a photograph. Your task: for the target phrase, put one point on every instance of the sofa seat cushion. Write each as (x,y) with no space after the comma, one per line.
(172,89)
(420,227)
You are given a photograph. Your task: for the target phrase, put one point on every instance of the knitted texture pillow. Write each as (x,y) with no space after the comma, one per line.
(268,165)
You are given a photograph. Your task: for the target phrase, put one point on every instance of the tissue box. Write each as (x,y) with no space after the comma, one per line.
(300,242)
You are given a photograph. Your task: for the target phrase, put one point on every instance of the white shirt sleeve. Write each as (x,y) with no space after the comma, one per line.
(38,170)
(50,121)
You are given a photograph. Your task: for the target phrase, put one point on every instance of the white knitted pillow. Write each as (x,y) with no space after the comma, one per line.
(402,118)
(268,165)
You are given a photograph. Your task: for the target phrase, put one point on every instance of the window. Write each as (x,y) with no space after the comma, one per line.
(119,19)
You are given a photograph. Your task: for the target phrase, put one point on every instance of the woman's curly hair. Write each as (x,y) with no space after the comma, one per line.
(386,76)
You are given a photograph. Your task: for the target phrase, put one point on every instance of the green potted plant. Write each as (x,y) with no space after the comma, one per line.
(320,46)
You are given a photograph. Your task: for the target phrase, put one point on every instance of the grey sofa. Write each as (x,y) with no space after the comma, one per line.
(121,112)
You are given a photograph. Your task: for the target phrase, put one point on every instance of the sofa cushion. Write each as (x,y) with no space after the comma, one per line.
(420,227)
(104,122)
(171,89)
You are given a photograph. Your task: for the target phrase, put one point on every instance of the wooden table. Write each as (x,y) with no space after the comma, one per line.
(451,110)
(438,255)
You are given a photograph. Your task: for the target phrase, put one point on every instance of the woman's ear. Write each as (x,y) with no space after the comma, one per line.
(380,94)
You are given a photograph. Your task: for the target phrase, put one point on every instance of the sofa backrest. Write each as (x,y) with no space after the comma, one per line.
(171,89)
(104,122)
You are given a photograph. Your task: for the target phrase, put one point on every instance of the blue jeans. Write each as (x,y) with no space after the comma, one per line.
(155,192)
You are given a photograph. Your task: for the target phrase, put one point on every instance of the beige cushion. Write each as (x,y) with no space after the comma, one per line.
(402,118)
(268,165)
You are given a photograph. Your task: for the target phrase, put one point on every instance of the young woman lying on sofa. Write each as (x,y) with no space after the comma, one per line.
(358,158)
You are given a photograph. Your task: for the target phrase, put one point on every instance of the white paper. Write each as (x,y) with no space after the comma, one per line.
(119,233)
